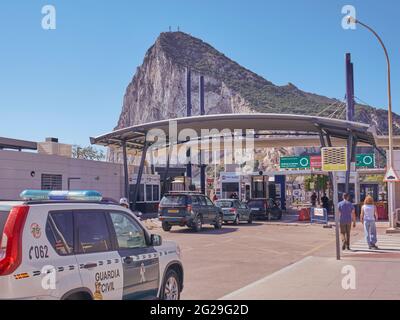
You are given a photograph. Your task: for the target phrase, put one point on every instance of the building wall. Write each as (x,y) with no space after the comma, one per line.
(396,167)
(16,168)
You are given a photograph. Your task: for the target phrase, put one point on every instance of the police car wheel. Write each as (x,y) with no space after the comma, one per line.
(236,221)
(250,221)
(166,226)
(171,286)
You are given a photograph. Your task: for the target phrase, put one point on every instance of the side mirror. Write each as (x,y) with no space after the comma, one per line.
(156,240)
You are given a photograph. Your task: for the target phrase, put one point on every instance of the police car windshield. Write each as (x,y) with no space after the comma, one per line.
(174,200)
(224,204)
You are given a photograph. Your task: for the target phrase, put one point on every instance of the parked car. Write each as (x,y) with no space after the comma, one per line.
(265,209)
(72,246)
(235,211)
(188,209)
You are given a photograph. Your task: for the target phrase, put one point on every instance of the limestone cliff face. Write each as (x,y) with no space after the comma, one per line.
(158,88)
(158,91)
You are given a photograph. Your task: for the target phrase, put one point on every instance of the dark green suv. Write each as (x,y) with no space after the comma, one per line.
(188,209)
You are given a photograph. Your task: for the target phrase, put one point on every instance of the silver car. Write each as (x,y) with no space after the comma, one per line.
(235,211)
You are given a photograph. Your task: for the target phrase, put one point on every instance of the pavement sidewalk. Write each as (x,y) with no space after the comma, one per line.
(320,278)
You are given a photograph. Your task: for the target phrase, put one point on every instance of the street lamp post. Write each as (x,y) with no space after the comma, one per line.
(391,204)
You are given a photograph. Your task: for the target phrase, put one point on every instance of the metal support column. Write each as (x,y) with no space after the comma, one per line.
(188,114)
(165,176)
(139,175)
(333,179)
(350,148)
(126,172)
(349,88)
(202,112)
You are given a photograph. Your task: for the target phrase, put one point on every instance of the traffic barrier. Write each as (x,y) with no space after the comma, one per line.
(304,214)
(319,215)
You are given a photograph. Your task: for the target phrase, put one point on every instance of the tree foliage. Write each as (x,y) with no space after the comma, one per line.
(88,153)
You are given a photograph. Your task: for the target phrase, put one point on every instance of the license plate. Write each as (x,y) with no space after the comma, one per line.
(255,209)
(173,211)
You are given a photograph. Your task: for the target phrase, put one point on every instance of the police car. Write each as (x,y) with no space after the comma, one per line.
(70,245)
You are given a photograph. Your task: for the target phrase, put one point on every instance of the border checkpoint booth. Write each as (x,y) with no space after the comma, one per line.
(269,130)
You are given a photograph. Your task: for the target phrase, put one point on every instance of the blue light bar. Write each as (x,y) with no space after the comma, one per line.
(61,195)
(35,195)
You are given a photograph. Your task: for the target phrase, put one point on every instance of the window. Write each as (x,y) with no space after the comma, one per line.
(271,203)
(129,234)
(203,201)
(60,231)
(196,201)
(140,196)
(224,204)
(173,201)
(93,233)
(156,192)
(51,182)
(209,202)
(230,187)
(149,192)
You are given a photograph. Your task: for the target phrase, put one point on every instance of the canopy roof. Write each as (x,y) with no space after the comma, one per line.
(262,123)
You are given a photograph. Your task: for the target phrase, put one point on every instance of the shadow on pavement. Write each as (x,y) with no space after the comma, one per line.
(206,231)
(254,224)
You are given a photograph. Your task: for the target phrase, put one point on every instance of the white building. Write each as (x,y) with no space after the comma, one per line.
(52,167)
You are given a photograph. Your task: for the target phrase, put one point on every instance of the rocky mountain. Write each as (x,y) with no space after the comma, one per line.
(158,88)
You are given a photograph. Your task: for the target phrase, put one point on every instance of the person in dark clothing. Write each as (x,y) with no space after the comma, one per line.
(234,196)
(314,199)
(325,203)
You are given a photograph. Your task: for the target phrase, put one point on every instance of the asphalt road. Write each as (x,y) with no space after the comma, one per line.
(218,262)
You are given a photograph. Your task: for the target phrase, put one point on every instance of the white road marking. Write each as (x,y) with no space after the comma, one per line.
(231,295)
(386,243)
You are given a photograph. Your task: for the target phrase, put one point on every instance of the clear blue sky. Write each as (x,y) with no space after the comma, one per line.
(69,82)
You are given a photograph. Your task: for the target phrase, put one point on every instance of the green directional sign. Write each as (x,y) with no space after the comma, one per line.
(365,160)
(301,162)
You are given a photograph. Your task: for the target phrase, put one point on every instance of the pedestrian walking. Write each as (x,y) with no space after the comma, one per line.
(368,217)
(314,199)
(325,203)
(347,217)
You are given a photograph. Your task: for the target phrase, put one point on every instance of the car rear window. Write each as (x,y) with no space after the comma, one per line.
(256,204)
(224,204)
(174,200)
(60,231)
(3,220)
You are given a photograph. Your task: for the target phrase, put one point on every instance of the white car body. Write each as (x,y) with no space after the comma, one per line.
(96,275)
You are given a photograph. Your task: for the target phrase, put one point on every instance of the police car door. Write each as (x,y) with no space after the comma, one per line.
(99,263)
(140,261)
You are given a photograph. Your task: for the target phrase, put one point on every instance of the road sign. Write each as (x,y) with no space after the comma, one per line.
(334,159)
(315,162)
(391,176)
(302,162)
(365,160)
